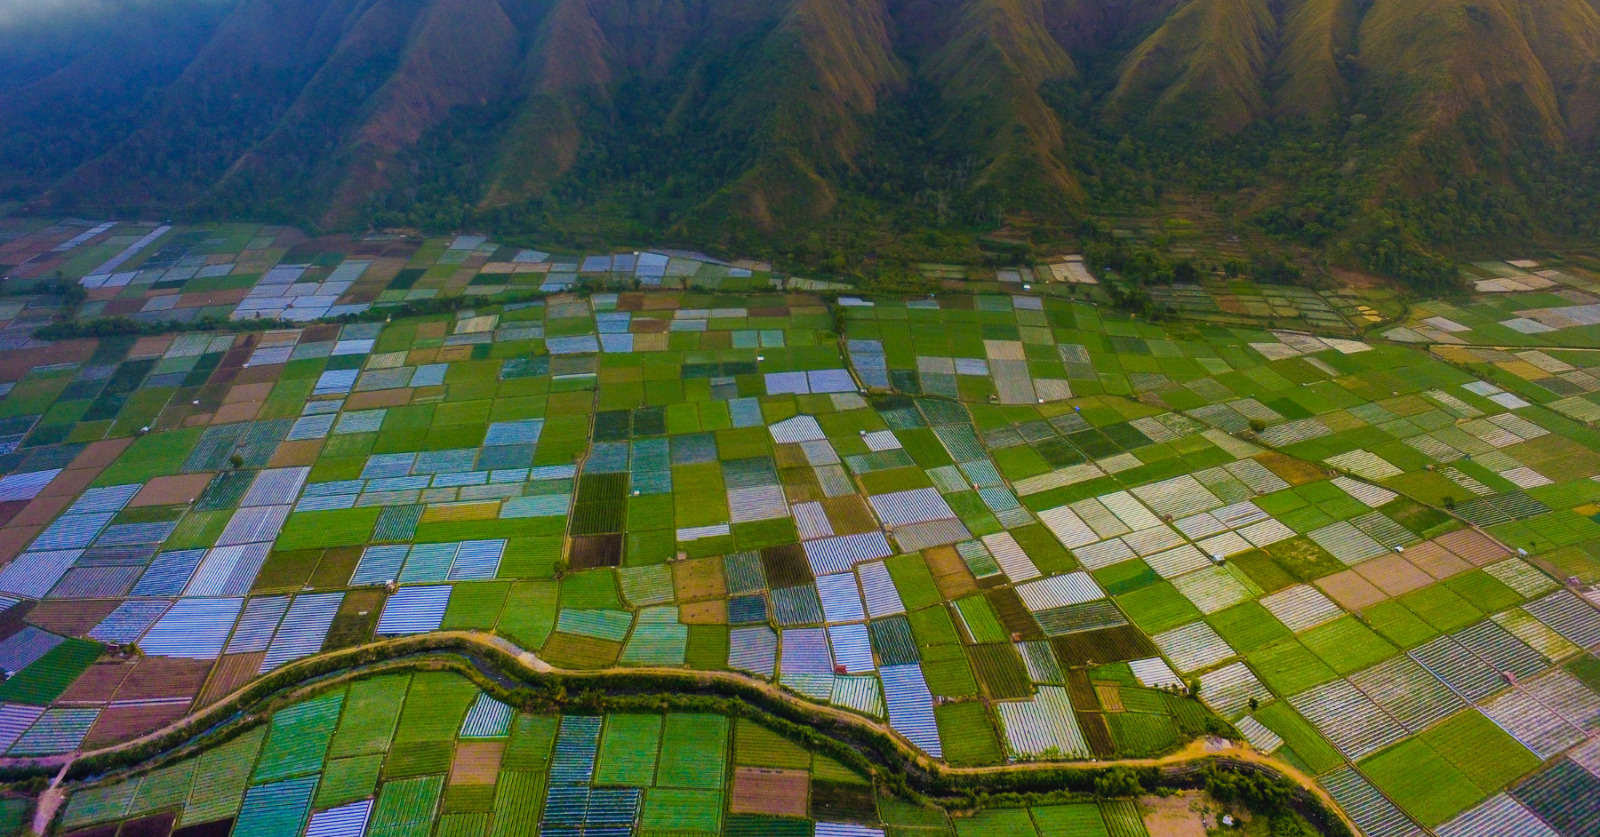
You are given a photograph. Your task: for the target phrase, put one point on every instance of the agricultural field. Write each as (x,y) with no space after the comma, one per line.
(1002,526)
(364,759)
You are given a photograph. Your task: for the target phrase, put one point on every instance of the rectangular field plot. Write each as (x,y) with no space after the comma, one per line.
(1420,781)
(1349,719)
(1498,815)
(1374,814)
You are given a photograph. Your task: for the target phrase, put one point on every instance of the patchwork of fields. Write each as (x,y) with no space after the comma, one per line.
(1007,526)
(430,754)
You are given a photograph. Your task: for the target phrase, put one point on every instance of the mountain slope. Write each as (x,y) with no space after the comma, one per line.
(1305,77)
(990,73)
(823,68)
(759,122)
(1204,66)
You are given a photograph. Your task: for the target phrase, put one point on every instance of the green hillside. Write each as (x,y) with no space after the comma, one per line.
(1377,135)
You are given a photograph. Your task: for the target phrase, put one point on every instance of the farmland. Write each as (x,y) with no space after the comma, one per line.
(999,524)
(501,771)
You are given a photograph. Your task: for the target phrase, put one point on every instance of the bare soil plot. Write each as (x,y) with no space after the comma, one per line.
(1436,561)
(99,683)
(700,578)
(1174,816)
(231,672)
(171,489)
(476,762)
(70,618)
(1350,590)
(1393,574)
(765,790)
(1477,548)
(120,723)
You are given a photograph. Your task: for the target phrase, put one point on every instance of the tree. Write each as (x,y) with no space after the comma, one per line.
(1117,782)
(1259,792)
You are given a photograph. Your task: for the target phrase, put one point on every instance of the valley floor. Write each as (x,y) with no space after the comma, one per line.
(1004,524)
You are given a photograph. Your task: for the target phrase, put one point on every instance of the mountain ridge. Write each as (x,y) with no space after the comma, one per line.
(766,121)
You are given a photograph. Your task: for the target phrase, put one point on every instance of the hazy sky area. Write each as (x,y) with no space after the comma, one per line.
(13,12)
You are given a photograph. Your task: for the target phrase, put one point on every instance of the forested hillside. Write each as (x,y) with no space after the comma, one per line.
(1379,133)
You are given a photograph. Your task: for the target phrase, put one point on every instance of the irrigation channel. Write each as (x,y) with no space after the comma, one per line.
(518,677)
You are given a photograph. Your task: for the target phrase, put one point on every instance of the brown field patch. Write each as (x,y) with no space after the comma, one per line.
(230,413)
(336,567)
(357,616)
(49,505)
(699,578)
(247,392)
(120,723)
(1106,645)
(155,825)
(14,538)
(476,762)
(99,683)
(950,573)
(711,612)
(378,398)
(15,618)
(1350,590)
(1013,613)
(1097,734)
(849,514)
(67,485)
(1435,560)
(1293,471)
(262,373)
(432,330)
(594,551)
(785,566)
(164,677)
(765,790)
(844,801)
(231,672)
(1175,816)
(571,651)
(1080,690)
(231,296)
(790,455)
(1110,696)
(296,454)
(154,346)
(168,490)
(70,618)
(1393,574)
(800,485)
(1476,548)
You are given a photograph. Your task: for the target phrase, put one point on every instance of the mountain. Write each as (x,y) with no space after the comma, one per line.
(800,125)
